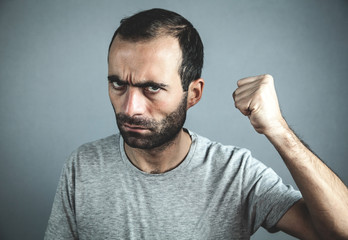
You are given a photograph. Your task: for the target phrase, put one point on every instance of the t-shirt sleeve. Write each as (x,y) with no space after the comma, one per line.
(266,196)
(62,223)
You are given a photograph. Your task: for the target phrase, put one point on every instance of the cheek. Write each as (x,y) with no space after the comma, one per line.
(160,107)
(168,105)
(115,100)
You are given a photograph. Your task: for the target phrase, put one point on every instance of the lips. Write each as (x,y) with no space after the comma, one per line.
(134,124)
(134,128)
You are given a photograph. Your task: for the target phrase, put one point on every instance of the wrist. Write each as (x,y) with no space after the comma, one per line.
(278,129)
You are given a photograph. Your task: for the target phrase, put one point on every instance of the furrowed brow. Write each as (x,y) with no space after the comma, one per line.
(150,84)
(115,78)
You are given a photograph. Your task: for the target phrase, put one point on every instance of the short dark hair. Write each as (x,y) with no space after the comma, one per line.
(153,23)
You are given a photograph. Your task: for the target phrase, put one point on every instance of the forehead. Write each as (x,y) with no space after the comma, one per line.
(160,43)
(162,52)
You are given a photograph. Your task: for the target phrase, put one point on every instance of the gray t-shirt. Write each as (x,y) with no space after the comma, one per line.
(217,192)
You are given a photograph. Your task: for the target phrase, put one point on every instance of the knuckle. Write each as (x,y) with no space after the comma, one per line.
(234,94)
(267,78)
(239,105)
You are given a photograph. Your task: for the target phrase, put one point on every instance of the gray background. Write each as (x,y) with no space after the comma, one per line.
(54,89)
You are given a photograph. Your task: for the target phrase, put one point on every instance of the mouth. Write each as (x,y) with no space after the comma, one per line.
(135,128)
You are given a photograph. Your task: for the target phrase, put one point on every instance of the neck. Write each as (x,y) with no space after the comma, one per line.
(161,159)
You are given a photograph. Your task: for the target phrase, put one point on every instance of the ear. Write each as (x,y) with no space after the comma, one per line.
(195,92)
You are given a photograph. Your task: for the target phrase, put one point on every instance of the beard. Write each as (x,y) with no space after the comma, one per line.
(161,133)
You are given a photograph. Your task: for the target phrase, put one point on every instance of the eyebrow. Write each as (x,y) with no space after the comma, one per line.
(146,83)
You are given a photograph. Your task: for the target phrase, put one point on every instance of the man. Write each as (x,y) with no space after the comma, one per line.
(156,180)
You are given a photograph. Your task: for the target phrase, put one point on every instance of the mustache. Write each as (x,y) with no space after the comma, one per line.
(139,121)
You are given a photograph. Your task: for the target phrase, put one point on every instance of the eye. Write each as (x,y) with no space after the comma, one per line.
(117,85)
(153,89)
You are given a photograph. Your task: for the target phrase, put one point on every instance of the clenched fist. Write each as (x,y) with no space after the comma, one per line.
(256,98)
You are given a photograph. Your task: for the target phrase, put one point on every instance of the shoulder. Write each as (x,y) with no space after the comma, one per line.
(206,145)
(100,144)
(94,150)
(221,155)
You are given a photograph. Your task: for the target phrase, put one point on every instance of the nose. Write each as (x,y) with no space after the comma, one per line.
(135,103)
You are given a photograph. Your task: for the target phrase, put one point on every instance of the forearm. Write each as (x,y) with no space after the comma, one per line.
(325,194)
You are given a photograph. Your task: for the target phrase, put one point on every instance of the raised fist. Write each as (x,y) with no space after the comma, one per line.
(256,98)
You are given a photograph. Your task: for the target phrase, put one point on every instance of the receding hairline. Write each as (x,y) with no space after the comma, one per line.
(121,38)
(162,31)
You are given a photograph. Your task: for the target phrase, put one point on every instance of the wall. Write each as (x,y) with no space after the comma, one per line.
(54,89)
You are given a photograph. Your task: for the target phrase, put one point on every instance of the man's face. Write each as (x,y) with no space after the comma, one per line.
(146,92)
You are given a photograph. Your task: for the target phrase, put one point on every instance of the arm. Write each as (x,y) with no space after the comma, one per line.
(324,210)
(62,221)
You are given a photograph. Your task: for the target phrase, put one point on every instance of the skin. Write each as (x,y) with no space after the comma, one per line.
(323,211)
(151,89)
